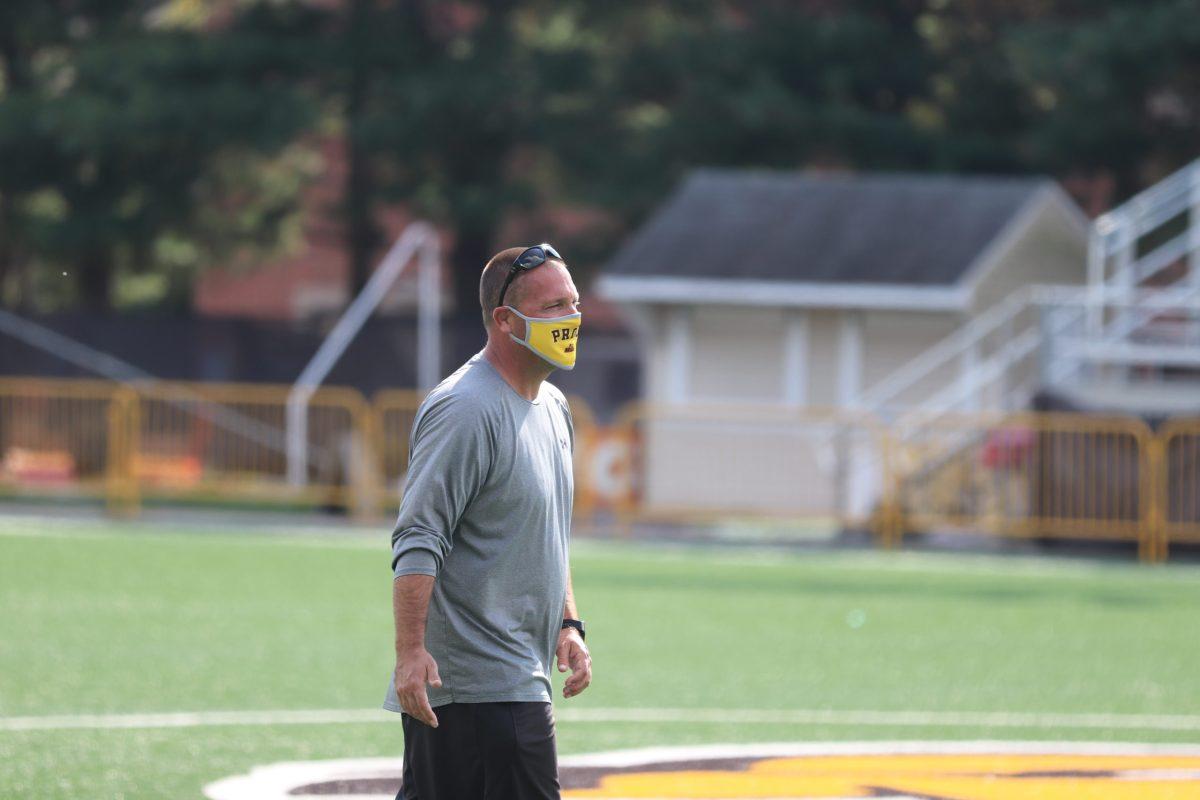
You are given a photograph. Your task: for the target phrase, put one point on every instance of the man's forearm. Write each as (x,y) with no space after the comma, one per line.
(410,605)
(569,610)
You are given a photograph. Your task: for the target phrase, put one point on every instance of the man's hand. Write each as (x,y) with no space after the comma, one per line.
(413,671)
(573,654)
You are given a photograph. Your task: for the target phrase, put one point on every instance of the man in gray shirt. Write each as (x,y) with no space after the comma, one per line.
(482,589)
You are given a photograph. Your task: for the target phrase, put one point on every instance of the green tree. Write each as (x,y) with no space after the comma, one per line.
(446,109)
(128,142)
(762,84)
(1116,91)
(117,136)
(1098,88)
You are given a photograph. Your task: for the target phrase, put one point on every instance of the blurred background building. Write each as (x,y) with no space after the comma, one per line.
(794,289)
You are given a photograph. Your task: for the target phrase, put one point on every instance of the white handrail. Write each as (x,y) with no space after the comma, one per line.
(417,237)
(948,349)
(1145,212)
(1161,193)
(1070,326)
(881,397)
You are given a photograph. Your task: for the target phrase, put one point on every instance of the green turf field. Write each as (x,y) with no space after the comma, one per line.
(127,619)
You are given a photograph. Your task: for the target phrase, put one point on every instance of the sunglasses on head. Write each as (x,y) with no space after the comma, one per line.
(531,257)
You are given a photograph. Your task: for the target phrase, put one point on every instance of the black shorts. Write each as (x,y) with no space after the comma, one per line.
(481,751)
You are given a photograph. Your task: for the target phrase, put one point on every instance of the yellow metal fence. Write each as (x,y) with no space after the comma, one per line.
(1029,475)
(60,439)
(228,442)
(1022,475)
(1178,482)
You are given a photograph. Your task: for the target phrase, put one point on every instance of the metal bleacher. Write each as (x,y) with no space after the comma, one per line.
(1123,350)
(1128,340)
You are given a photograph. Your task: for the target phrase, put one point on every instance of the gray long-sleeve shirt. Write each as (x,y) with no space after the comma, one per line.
(487,510)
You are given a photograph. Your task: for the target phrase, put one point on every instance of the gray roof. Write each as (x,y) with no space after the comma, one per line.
(919,230)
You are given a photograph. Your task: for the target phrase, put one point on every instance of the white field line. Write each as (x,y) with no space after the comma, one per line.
(737,716)
(245,533)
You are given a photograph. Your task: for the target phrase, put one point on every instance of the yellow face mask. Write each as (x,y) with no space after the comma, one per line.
(552,338)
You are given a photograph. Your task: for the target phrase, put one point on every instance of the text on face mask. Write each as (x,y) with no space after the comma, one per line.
(563,334)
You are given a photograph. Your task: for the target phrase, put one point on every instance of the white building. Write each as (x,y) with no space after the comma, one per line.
(777,291)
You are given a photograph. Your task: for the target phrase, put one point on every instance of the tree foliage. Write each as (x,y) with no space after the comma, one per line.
(130,143)
(120,141)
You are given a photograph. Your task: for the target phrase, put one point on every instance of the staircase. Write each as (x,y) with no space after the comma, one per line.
(1129,339)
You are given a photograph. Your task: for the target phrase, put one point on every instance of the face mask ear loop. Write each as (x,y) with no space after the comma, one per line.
(528,327)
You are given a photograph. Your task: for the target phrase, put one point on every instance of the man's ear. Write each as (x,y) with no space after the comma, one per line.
(504,320)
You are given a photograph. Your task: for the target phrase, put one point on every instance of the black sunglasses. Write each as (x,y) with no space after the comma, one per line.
(531,257)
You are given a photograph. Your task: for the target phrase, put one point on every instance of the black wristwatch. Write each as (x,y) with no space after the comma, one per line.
(577,624)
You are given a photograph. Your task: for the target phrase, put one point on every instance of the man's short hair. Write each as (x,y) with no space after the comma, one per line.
(493,278)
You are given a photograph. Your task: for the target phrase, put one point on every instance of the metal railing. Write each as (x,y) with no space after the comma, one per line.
(1178,484)
(1027,475)
(179,453)
(1141,308)
(174,441)
(1022,475)
(62,439)
(1152,240)
(419,239)
(1038,337)
(890,394)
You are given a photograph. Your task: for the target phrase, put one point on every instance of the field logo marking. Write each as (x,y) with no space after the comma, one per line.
(830,771)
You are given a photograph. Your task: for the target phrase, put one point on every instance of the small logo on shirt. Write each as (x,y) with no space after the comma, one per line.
(564,444)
